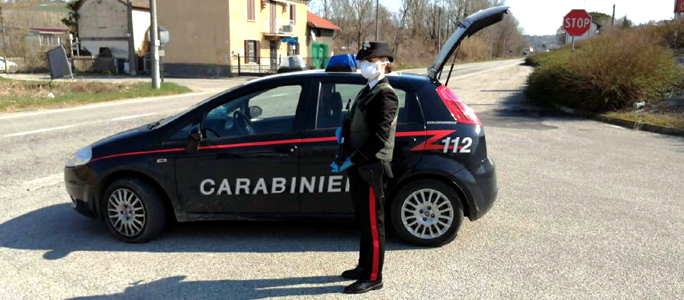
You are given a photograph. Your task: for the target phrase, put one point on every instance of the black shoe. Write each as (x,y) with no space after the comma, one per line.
(353,274)
(363,286)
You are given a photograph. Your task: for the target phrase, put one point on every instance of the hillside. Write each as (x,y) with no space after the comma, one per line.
(537,40)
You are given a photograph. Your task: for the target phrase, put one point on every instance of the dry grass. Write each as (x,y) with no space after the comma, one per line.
(416,55)
(606,73)
(16,95)
(672,120)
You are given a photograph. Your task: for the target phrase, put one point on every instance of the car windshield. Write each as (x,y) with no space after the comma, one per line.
(170,119)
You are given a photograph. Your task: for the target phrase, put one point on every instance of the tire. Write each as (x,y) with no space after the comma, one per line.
(133,221)
(422,228)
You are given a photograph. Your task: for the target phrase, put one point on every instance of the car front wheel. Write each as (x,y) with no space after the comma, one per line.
(133,210)
(427,213)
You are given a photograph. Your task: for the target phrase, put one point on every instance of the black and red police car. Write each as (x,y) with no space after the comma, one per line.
(263,150)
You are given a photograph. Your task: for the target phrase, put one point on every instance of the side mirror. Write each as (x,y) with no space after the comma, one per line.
(194,139)
(255,112)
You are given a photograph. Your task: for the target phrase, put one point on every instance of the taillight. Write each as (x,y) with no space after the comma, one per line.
(459,110)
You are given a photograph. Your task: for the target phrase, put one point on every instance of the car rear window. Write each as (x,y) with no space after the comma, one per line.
(335,99)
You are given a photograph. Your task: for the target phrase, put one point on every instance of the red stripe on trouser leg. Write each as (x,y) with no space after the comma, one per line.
(374,232)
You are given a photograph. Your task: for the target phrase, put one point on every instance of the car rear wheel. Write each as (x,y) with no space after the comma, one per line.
(427,213)
(133,210)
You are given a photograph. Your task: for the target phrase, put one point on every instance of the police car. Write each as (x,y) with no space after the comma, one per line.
(263,150)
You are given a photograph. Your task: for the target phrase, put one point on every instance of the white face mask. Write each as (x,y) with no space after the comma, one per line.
(370,71)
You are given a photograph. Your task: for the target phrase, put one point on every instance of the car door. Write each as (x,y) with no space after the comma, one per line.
(247,161)
(328,109)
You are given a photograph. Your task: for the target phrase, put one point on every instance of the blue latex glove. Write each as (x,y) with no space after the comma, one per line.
(345,165)
(338,134)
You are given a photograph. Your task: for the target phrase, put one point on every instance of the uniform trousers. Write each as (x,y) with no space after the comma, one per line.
(366,184)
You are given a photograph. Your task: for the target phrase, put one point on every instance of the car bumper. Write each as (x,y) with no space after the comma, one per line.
(480,186)
(78,182)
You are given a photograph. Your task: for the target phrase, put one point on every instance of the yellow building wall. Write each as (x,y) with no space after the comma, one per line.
(241,29)
(199,32)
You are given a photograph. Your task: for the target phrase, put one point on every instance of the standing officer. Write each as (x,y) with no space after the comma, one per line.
(368,135)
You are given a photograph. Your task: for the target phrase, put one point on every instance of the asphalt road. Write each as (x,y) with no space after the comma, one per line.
(586,210)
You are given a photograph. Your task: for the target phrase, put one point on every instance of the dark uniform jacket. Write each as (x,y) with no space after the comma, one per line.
(380,111)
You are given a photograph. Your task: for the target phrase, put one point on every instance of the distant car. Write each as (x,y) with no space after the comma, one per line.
(292,63)
(10,65)
(263,150)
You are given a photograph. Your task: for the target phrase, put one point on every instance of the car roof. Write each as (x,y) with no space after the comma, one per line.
(394,76)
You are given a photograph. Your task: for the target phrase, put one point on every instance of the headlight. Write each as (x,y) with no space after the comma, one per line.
(81,157)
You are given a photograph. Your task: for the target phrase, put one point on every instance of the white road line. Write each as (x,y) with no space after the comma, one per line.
(120,102)
(133,117)
(484,71)
(278,95)
(39,131)
(35,184)
(164,112)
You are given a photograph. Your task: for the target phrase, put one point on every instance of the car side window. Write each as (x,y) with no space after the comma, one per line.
(263,112)
(333,103)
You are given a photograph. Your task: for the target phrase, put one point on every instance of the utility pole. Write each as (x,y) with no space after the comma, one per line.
(154,44)
(131,42)
(377,20)
(439,31)
(4,40)
(612,20)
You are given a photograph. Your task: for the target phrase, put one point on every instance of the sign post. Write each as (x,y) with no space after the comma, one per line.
(576,23)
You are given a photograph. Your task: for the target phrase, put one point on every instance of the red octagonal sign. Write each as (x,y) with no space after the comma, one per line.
(577,22)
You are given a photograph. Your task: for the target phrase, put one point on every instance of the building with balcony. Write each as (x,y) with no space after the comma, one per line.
(210,38)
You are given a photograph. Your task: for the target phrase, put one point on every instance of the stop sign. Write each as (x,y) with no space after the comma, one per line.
(577,22)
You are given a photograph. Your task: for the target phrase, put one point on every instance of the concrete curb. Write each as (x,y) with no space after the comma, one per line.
(623,123)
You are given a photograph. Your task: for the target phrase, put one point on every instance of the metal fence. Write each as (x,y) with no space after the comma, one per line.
(28,64)
(80,64)
(259,66)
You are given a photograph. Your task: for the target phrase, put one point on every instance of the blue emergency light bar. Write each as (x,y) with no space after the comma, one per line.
(342,63)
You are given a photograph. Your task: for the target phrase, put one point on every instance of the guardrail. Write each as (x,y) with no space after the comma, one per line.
(267,65)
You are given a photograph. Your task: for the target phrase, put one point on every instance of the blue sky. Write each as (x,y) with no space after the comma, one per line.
(542,17)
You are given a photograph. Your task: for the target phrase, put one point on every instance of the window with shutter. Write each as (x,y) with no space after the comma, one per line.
(293,14)
(251,51)
(251,10)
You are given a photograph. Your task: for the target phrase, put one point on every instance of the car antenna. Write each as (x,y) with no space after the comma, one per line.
(452,66)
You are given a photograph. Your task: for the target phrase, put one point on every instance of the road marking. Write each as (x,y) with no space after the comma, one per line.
(133,117)
(120,102)
(484,71)
(168,112)
(35,184)
(39,131)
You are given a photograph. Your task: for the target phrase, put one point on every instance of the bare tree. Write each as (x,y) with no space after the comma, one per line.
(401,17)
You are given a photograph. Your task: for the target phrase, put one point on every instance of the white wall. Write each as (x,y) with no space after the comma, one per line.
(593,30)
(141,22)
(104,23)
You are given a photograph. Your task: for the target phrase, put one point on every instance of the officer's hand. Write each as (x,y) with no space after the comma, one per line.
(339,168)
(338,134)
(346,164)
(335,167)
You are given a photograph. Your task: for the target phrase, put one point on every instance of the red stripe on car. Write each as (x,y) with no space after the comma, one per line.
(427,145)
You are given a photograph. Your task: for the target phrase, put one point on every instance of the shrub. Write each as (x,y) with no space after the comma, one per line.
(608,72)
(472,49)
(671,34)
